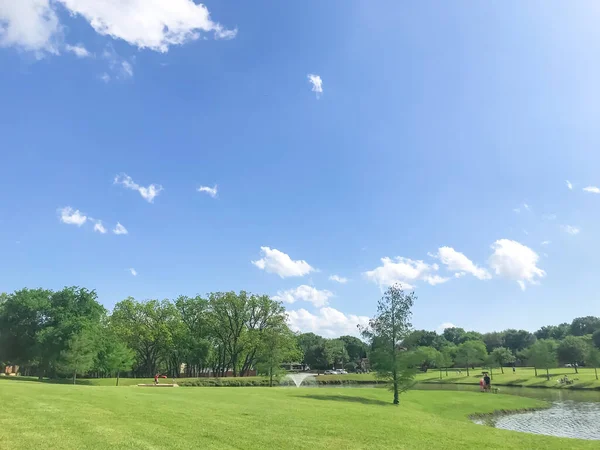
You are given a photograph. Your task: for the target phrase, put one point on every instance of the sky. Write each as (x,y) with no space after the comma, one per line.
(313,151)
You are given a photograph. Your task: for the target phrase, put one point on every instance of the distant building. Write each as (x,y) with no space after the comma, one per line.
(295,367)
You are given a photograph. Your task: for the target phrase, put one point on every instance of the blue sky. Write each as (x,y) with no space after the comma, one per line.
(436,154)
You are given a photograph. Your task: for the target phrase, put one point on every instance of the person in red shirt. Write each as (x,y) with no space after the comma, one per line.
(156,379)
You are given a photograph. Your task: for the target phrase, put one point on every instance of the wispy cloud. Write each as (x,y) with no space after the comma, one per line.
(72,217)
(305,293)
(212,191)
(570,229)
(545,242)
(148,193)
(592,189)
(569,185)
(120,229)
(133,272)
(317,84)
(338,279)
(98,227)
(78,50)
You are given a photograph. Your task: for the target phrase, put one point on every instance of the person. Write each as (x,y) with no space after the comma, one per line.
(514,369)
(156,379)
(481,385)
(488,381)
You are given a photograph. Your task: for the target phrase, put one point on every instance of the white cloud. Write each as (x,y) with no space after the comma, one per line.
(277,262)
(133,272)
(545,242)
(516,262)
(33,25)
(458,262)
(525,206)
(120,229)
(405,271)
(592,189)
(328,322)
(570,229)
(127,69)
(517,210)
(549,217)
(317,84)
(105,77)
(569,185)
(212,191)
(338,279)
(148,193)
(306,294)
(78,50)
(99,227)
(30,25)
(443,326)
(72,217)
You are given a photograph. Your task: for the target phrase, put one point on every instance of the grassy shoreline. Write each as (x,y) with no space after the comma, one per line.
(44,415)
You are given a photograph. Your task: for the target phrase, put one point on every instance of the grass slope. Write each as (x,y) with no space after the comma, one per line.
(42,415)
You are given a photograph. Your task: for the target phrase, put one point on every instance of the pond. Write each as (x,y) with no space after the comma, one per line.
(573,414)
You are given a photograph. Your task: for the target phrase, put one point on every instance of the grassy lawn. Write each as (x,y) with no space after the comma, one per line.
(43,415)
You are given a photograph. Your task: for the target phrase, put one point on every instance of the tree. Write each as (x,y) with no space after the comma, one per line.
(592,359)
(493,340)
(596,338)
(585,325)
(79,356)
(502,356)
(471,353)
(119,358)
(445,360)
(427,357)
(542,355)
(335,352)
(517,340)
(420,338)
(356,348)
(454,335)
(572,350)
(277,347)
(556,332)
(385,332)
(313,348)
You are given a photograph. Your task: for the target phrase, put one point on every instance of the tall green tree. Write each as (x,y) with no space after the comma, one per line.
(277,346)
(336,353)
(502,356)
(454,335)
(471,353)
(427,358)
(556,332)
(493,340)
(592,359)
(356,348)
(596,339)
(119,358)
(79,355)
(585,325)
(385,332)
(517,340)
(572,350)
(542,355)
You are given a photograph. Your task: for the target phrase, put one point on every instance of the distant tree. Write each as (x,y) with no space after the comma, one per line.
(542,355)
(592,359)
(385,332)
(556,332)
(454,335)
(517,340)
(336,353)
(427,357)
(471,353)
(313,349)
(596,338)
(420,338)
(119,358)
(277,347)
(355,348)
(493,340)
(572,350)
(445,360)
(471,336)
(585,325)
(79,356)
(502,356)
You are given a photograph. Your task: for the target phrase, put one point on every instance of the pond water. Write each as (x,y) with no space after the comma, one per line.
(573,414)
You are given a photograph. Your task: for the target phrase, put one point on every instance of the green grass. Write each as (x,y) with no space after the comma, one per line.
(43,415)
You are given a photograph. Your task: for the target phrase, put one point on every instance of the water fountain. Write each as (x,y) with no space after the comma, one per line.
(299,378)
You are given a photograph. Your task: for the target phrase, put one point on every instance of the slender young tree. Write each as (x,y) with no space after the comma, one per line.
(502,356)
(78,358)
(385,332)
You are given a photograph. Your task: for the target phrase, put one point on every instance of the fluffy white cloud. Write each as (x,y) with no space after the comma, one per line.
(317,84)
(78,50)
(72,217)
(212,191)
(304,293)
(592,189)
(277,262)
(156,24)
(570,229)
(515,261)
(133,272)
(99,227)
(30,25)
(405,271)
(328,322)
(569,185)
(338,279)
(458,262)
(443,326)
(120,229)
(148,193)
